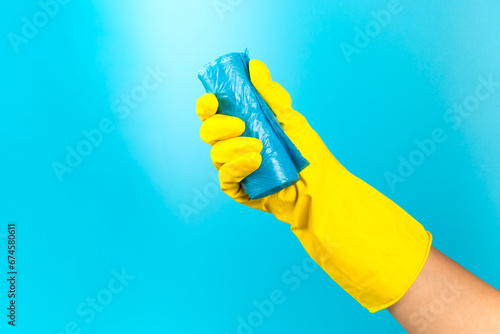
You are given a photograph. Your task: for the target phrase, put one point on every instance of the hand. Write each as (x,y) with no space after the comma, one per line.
(236,157)
(364,241)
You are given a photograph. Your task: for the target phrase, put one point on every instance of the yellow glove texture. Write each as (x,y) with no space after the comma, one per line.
(370,246)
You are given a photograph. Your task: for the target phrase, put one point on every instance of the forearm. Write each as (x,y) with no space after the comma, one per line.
(446,298)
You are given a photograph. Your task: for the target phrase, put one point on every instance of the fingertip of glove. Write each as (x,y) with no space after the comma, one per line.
(236,170)
(206,106)
(220,127)
(254,159)
(256,144)
(259,73)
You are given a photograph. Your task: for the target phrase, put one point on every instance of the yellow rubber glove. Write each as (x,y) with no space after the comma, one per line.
(370,246)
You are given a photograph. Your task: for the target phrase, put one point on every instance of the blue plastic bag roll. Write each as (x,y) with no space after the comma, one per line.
(229,79)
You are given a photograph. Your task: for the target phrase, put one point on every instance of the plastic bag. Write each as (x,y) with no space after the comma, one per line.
(229,79)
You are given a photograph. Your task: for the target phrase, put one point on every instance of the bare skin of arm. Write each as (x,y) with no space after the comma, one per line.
(446,298)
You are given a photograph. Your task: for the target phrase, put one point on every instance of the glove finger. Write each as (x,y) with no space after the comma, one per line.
(231,173)
(206,106)
(276,97)
(220,127)
(230,149)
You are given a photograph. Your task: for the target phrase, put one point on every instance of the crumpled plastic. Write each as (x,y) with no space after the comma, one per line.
(228,78)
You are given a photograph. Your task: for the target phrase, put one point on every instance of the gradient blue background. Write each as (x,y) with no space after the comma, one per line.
(121,208)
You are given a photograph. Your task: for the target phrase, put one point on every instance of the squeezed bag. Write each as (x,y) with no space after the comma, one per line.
(228,78)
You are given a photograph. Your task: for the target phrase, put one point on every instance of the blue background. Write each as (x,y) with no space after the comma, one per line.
(121,207)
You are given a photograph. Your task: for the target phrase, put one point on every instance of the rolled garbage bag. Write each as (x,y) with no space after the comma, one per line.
(228,78)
